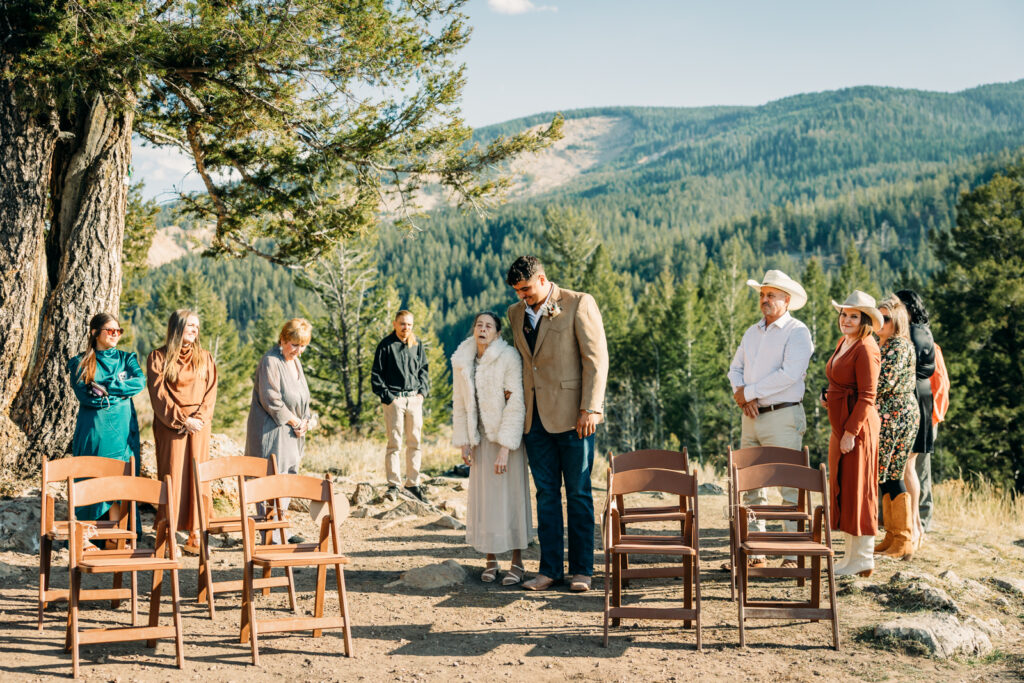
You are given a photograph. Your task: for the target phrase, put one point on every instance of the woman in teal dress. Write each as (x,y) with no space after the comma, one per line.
(104,380)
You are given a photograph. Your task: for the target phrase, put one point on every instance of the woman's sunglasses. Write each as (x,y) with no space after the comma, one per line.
(117,331)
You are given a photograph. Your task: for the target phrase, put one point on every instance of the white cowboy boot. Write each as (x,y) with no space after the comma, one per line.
(862,558)
(848,545)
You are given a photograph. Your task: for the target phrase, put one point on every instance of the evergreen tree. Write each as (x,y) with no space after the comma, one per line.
(437,408)
(979,289)
(569,239)
(820,318)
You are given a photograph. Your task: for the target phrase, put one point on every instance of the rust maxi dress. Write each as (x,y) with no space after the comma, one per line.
(172,404)
(853,476)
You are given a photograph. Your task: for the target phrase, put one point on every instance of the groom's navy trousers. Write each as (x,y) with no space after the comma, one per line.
(555,458)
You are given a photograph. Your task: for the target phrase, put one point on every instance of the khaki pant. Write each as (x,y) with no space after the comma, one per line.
(784,428)
(404,422)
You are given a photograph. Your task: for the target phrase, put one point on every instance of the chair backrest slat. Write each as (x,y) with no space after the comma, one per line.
(84,467)
(763,455)
(666,481)
(286,486)
(104,489)
(779,474)
(651,458)
(233,466)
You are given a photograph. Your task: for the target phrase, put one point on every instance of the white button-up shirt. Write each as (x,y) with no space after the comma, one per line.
(534,316)
(771,362)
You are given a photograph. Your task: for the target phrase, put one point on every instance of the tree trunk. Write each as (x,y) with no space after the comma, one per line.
(88,196)
(26,148)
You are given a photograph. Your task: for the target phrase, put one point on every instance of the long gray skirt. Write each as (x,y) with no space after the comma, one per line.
(499,516)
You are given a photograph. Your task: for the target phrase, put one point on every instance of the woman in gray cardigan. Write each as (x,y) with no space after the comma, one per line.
(280,416)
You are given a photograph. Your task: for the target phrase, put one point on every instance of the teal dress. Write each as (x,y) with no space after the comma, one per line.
(107,425)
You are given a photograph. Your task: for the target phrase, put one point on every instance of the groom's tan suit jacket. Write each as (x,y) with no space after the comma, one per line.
(567,371)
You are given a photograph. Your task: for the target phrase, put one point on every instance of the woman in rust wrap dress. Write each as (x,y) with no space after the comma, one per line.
(182,381)
(852,373)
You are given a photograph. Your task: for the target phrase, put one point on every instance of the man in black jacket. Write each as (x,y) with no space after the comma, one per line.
(401,379)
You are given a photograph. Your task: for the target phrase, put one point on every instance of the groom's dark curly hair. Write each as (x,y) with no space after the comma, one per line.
(524,269)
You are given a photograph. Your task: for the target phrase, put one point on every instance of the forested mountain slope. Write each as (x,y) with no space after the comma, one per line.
(801,176)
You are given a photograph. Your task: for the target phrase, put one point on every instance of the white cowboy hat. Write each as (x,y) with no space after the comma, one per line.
(860,301)
(779,280)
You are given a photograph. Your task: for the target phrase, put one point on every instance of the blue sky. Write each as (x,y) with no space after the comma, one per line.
(529,56)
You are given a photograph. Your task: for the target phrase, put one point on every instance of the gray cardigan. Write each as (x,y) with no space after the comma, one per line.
(277,397)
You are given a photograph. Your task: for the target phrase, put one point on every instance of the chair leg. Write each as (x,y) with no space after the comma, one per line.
(179,647)
(135,598)
(202,589)
(732,559)
(801,563)
(740,567)
(687,587)
(607,595)
(321,585)
(616,586)
(76,586)
(243,619)
(114,604)
(815,583)
(154,603)
(696,590)
(291,588)
(339,576)
(266,575)
(45,550)
(832,602)
(250,592)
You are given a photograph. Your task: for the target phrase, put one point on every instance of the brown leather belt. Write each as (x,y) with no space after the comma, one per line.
(776,406)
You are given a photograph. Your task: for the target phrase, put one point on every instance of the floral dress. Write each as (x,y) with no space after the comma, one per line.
(897,406)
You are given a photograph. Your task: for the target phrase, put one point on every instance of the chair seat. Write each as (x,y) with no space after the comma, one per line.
(794,546)
(137,561)
(786,516)
(297,557)
(224,525)
(629,546)
(634,516)
(106,530)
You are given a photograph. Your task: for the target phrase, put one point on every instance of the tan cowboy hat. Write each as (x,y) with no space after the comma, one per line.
(779,280)
(860,301)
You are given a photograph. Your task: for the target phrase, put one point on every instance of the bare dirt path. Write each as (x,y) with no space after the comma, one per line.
(478,631)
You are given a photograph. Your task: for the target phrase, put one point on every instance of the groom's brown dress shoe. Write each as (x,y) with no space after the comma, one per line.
(539,583)
(580,583)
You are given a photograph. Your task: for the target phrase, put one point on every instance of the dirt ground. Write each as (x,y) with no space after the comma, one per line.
(478,631)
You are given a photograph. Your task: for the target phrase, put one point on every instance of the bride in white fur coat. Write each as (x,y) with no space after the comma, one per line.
(488,414)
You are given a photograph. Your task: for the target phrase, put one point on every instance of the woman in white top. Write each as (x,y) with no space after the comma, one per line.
(488,414)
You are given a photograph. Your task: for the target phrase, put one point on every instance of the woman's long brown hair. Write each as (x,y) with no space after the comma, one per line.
(172,347)
(87,366)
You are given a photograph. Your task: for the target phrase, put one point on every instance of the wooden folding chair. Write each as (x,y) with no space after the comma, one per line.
(648,459)
(293,555)
(51,529)
(685,547)
(164,556)
(268,523)
(815,543)
(799,513)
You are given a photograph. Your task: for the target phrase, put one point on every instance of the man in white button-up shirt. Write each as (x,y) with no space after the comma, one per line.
(767,376)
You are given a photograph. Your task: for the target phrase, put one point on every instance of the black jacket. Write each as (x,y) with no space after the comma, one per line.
(397,367)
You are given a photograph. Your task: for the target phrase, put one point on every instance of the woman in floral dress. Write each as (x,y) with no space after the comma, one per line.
(897,407)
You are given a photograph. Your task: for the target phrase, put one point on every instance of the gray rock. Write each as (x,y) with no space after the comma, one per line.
(934,597)
(952,578)
(9,571)
(361,513)
(710,489)
(19,524)
(432,576)
(449,522)
(1010,585)
(363,494)
(456,508)
(942,634)
(408,506)
(990,627)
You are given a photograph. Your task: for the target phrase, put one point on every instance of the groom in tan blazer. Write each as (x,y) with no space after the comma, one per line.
(560,336)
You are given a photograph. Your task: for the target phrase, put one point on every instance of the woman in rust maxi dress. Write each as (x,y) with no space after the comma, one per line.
(182,381)
(852,373)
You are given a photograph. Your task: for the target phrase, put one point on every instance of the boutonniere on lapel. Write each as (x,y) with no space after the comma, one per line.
(551,309)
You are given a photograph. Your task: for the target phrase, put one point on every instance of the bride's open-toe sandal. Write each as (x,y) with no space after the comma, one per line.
(515,575)
(490,574)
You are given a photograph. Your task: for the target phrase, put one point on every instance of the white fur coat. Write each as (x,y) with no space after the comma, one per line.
(499,370)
